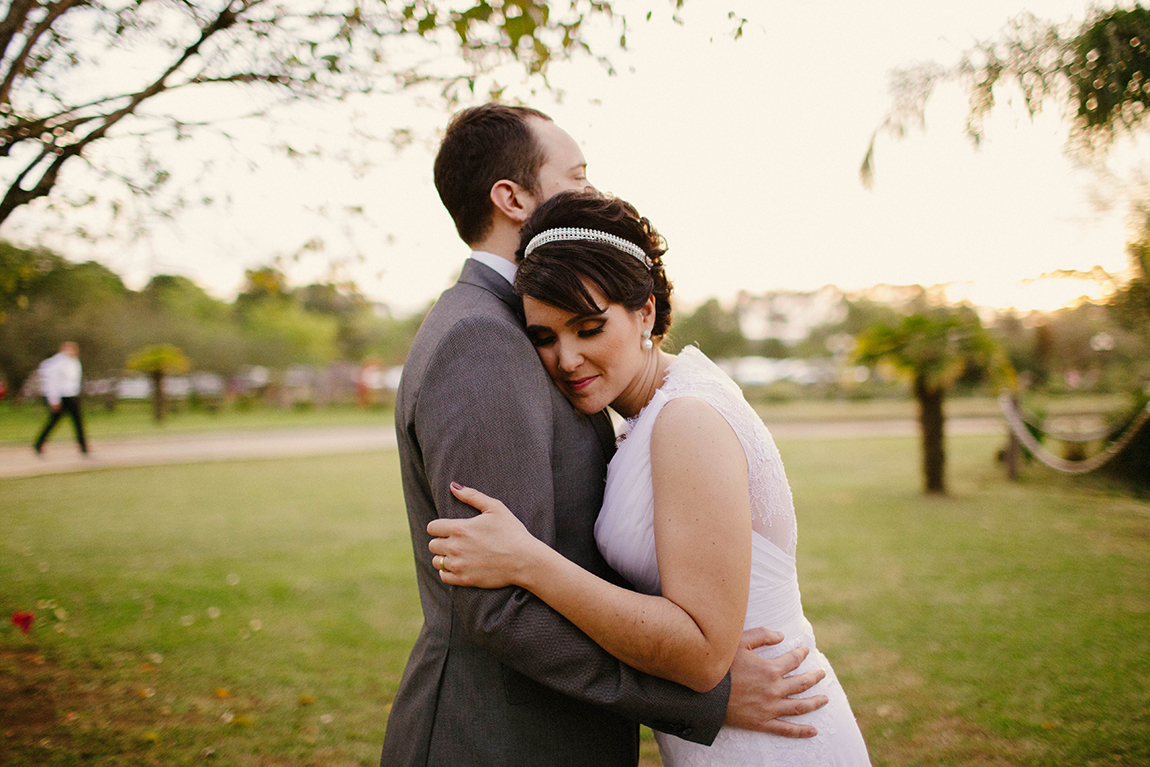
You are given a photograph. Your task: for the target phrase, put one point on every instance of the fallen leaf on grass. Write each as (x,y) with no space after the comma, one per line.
(22,619)
(223,692)
(306,700)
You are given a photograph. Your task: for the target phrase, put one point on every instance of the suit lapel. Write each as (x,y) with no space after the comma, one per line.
(482,276)
(605,432)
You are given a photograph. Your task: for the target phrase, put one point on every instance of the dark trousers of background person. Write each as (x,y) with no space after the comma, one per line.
(71,406)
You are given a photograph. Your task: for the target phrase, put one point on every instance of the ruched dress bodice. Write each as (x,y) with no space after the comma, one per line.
(625,534)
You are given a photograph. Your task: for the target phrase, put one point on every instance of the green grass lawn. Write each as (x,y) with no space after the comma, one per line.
(20,425)
(260,613)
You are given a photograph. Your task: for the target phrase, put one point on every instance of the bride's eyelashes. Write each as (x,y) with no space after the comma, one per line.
(540,341)
(592,331)
(541,338)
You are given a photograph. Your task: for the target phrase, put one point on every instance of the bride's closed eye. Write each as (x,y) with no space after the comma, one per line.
(592,330)
(541,337)
(539,340)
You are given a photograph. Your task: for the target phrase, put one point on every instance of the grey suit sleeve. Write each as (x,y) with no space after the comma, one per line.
(478,422)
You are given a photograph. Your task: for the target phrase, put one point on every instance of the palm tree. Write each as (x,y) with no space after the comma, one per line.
(159,361)
(933,349)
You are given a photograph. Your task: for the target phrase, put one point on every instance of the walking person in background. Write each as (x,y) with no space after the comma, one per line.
(60,377)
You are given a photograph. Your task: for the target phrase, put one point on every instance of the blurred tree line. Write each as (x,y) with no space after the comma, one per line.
(46,299)
(1091,346)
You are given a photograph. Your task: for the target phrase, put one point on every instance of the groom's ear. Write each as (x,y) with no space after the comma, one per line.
(515,202)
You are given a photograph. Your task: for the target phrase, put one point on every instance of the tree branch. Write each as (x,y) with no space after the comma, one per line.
(18,64)
(13,23)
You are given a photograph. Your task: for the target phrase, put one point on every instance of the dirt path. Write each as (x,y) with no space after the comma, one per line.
(62,455)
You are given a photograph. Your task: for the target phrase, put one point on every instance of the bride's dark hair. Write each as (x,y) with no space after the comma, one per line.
(554,271)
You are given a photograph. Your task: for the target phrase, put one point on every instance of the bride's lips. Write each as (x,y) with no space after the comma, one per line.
(579,384)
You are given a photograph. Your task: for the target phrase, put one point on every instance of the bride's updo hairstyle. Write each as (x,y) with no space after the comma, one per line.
(554,271)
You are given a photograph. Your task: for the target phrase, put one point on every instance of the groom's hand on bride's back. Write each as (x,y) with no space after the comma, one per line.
(761,690)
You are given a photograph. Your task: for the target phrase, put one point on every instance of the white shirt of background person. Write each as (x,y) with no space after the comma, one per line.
(60,376)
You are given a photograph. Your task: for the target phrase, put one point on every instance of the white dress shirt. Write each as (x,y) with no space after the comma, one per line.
(60,376)
(505,268)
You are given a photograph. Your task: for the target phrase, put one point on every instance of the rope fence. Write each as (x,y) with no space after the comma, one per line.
(1018,427)
(1080,437)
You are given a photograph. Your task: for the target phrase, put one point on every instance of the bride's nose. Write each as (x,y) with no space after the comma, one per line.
(569,358)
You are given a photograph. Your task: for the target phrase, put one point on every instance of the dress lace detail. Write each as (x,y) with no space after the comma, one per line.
(625,534)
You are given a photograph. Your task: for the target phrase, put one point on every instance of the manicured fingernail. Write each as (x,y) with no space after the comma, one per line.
(456,486)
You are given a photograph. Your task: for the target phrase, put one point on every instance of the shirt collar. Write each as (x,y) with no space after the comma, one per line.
(501,265)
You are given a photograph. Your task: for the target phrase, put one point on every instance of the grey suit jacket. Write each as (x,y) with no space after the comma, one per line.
(497,677)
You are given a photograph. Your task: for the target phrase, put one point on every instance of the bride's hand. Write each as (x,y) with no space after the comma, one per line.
(490,550)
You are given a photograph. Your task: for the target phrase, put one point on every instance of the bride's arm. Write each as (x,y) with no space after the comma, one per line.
(702,538)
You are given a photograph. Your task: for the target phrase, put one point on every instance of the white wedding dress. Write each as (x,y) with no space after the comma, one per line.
(626,536)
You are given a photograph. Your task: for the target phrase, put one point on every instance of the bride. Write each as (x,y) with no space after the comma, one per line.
(697,513)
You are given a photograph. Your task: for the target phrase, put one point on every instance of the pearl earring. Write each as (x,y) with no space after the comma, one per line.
(647,342)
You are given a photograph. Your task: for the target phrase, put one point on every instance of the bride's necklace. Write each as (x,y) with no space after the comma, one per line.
(652,382)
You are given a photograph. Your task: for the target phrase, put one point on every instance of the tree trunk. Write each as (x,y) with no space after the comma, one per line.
(158,396)
(931,423)
(1013,451)
(112,396)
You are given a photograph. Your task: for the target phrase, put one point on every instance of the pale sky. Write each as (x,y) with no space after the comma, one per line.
(744,154)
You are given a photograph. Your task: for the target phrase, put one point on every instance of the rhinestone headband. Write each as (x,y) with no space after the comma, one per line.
(567,234)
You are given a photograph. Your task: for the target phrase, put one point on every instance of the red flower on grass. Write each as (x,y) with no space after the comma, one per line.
(22,619)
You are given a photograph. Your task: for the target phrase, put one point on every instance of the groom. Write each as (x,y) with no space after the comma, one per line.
(496,677)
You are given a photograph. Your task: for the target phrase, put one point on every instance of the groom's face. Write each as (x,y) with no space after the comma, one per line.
(564,169)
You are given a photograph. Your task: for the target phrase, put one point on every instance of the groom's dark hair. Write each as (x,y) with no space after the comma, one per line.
(484,145)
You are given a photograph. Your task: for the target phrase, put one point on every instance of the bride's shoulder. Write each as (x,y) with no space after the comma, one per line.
(689,433)
(688,419)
